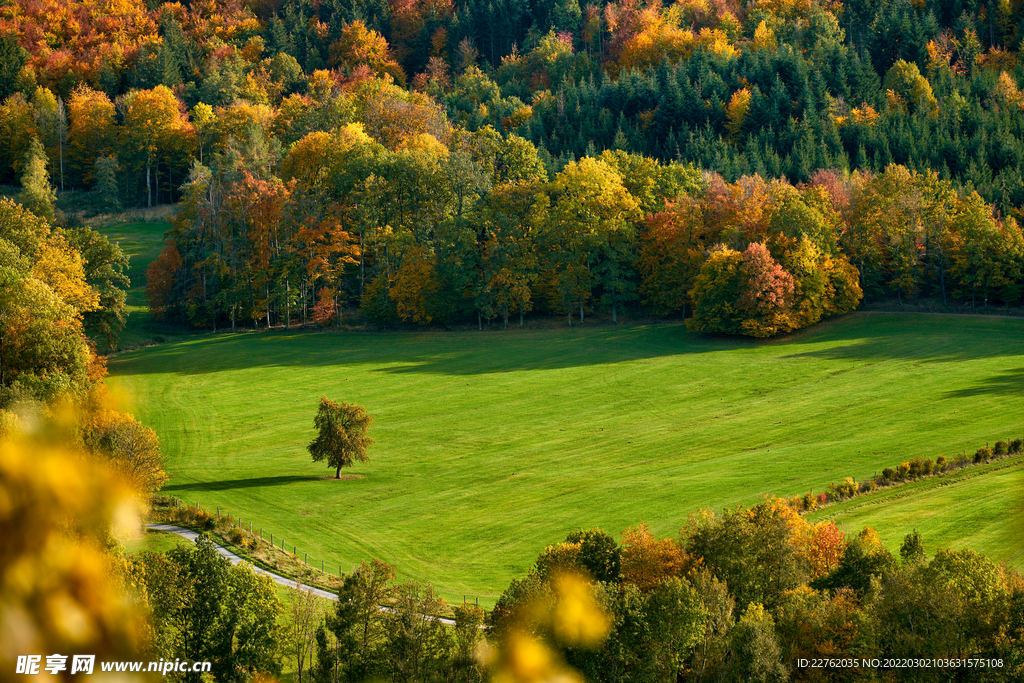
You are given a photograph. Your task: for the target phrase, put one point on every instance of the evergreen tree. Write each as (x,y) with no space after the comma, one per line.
(36,194)
(106,198)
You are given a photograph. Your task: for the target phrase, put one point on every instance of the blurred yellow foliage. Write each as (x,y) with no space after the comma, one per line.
(59,590)
(570,616)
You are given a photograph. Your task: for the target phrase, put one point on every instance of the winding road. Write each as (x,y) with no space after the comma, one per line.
(191,536)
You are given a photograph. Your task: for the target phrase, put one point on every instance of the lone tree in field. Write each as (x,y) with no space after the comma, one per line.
(342,437)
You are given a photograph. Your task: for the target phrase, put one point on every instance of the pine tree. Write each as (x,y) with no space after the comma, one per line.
(105,195)
(37,195)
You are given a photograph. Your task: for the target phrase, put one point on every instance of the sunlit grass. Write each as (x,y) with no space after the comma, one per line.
(492,445)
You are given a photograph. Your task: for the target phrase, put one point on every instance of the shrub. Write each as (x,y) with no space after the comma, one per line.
(868,486)
(940,463)
(983,454)
(903,471)
(962,460)
(915,468)
(1000,448)
(927,467)
(888,474)
(822,498)
(810,502)
(1016,445)
(847,489)
(236,536)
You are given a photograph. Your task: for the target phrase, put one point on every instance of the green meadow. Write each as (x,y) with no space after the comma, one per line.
(492,445)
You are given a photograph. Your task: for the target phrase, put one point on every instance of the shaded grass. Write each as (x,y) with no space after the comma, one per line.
(154,541)
(978,507)
(142,243)
(492,445)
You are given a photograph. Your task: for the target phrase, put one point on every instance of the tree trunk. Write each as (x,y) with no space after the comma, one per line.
(337,475)
(62,124)
(287,304)
(479,321)
(942,275)
(149,189)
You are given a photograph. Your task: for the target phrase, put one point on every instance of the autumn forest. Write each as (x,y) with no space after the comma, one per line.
(358,188)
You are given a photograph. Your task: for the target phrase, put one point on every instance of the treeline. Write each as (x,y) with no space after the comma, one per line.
(767,88)
(744,595)
(58,287)
(480,193)
(747,594)
(427,231)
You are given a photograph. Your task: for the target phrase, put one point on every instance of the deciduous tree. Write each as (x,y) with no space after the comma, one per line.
(342,437)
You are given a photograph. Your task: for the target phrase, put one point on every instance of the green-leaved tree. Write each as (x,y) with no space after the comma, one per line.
(342,435)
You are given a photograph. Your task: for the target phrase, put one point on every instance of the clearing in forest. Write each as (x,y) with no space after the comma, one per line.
(492,445)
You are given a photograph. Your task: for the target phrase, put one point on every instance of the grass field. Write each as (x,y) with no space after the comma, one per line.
(492,445)
(155,541)
(981,508)
(142,242)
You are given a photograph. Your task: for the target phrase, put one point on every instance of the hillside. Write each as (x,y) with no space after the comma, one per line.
(491,446)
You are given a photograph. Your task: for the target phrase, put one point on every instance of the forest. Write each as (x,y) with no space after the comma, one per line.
(754,167)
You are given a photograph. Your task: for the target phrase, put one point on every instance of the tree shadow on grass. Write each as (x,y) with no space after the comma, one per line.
(917,339)
(229,484)
(860,337)
(1009,383)
(446,353)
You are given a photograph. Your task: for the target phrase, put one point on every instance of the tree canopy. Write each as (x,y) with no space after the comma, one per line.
(342,434)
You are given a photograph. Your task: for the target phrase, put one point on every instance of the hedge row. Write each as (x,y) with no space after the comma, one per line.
(910,470)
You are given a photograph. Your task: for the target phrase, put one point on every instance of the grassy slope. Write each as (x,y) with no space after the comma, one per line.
(142,242)
(980,508)
(154,541)
(492,445)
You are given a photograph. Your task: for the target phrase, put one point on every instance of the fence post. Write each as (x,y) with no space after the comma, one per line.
(305,558)
(261,533)
(218,512)
(271,538)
